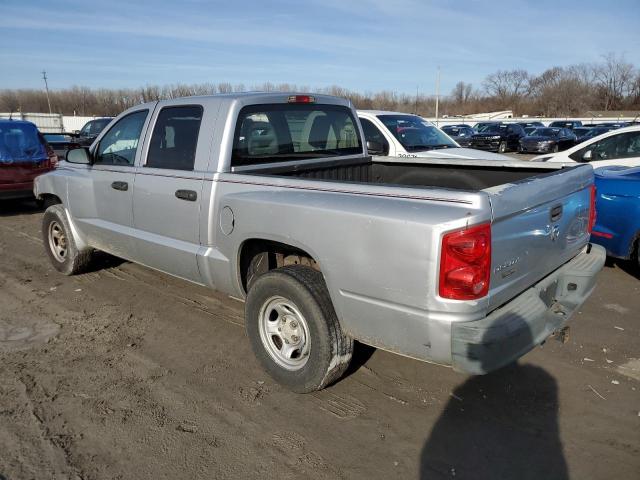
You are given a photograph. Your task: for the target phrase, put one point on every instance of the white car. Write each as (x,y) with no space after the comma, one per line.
(615,147)
(398,134)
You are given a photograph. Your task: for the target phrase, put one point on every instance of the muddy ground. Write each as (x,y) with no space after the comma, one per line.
(126,373)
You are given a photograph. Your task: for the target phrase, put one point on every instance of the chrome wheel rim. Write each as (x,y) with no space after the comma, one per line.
(284,333)
(57,241)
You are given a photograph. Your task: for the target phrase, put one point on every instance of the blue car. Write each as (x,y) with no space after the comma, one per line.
(618,212)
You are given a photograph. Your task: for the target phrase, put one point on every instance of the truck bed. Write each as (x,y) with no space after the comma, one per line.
(464,175)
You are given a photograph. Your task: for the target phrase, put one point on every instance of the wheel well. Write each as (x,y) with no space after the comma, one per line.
(49,199)
(258,256)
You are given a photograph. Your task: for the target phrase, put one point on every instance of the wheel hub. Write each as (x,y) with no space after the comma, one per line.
(57,241)
(284,333)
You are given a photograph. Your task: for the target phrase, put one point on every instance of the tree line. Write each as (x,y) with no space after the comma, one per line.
(611,84)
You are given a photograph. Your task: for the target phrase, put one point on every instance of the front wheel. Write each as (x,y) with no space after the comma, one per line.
(294,331)
(59,244)
(502,147)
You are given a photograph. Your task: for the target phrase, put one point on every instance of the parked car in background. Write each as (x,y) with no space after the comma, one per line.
(587,132)
(611,125)
(566,124)
(497,137)
(91,130)
(60,143)
(24,154)
(460,133)
(618,212)
(616,147)
(547,139)
(398,134)
(282,205)
(534,124)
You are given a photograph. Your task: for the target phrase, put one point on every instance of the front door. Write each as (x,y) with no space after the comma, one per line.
(102,195)
(168,192)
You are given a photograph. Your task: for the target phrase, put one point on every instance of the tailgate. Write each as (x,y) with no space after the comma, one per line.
(538,225)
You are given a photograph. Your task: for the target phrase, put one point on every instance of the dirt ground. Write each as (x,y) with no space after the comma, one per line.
(126,373)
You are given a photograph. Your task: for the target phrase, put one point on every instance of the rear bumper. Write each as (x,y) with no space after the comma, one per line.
(507,333)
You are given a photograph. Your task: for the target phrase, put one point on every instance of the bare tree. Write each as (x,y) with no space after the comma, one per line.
(614,78)
(508,86)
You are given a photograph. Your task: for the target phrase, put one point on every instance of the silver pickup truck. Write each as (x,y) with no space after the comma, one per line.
(273,198)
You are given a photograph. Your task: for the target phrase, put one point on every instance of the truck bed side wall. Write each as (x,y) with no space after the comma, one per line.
(379,255)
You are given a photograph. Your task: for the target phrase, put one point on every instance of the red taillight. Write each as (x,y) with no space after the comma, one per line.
(592,209)
(465,263)
(301,99)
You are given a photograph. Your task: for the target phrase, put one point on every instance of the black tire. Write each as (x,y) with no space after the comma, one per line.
(502,147)
(73,261)
(556,149)
(330,350)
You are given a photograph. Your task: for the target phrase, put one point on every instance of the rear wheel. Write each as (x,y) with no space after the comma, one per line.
(294,330)
(502,147)
(59,244)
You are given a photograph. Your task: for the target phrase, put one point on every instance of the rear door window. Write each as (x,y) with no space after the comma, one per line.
(288,132)
(175,138)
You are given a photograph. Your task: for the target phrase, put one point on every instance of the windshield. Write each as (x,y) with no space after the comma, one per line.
(416,134)
(491,128)
(288,132)
(545,132)
(20,143)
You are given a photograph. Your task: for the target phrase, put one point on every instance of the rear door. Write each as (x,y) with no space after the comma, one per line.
(168,190)
(538,225)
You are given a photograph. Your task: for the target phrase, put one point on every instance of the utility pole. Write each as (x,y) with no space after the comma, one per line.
(437,94)
(46,87)
(415,108)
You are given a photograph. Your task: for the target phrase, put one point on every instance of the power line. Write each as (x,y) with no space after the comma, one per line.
(46,87)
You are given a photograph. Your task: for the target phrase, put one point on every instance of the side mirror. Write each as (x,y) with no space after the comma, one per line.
(375,148)
(586,157)
(79,155)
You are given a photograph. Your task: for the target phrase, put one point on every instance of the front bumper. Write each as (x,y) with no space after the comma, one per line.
(536,147)
(492,146)
(507,333)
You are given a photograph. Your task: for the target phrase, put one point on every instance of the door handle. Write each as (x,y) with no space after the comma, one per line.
(122,186)
(188,195)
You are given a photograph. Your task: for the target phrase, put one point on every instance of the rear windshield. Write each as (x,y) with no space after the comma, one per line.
(20,143)
(289,132)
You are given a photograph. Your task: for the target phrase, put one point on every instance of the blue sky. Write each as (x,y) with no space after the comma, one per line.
(364,45)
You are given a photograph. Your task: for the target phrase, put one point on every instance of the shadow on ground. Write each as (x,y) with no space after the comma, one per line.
(503,425)
(630,267)
(10,208)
